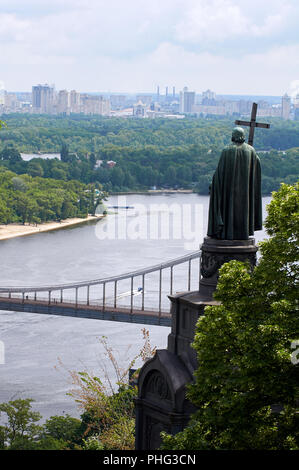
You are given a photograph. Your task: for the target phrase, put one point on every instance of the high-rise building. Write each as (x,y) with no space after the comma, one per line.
(208,98)
(94,104)
(245,107)
(286,106)
(11,102)
(187,100)
(63,102)
(296,101)
(118,101)
(42,99)
(74,102)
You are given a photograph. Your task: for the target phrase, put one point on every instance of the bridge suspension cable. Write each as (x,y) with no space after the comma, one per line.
(112,282)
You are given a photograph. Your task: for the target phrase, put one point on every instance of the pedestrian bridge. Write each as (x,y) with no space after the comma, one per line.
(137,297)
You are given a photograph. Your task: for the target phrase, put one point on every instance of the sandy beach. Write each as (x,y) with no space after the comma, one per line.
(19,230)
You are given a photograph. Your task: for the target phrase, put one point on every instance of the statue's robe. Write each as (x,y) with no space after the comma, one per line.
(235,210)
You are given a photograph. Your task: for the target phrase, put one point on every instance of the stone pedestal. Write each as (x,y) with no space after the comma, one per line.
(214,253)
(161,404)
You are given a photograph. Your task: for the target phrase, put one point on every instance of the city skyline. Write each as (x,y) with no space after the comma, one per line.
(152,92)
(44,99)
(232,47)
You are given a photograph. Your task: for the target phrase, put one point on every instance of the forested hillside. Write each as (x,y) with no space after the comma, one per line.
(158,152)
(34,200)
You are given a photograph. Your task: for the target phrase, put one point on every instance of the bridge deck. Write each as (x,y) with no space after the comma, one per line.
(86,311)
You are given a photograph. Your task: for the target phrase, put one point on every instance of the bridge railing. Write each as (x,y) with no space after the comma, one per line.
(154,283)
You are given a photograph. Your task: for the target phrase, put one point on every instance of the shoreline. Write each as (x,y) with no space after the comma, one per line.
(18,230)
(154,191)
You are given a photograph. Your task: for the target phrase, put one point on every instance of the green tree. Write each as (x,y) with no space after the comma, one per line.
(19,184)
(146,150)
(62,429)
(58,173)
(34,199)
(22,433)
(108,420)
(246,386)
(5,212)
(64,152)
(10,154)
(21,426)
(117,176)
(34,168)
(25,206)
(203,185)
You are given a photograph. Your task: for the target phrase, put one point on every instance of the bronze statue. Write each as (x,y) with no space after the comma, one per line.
(235,210)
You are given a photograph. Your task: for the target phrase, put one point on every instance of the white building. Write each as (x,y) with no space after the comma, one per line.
(286,106)
(74,102)
(187,100)
(63,102)
(139,109)
(94,104)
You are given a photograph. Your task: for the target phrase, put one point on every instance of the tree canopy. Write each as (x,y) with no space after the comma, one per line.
(33,199)
(148,152)
(246,385)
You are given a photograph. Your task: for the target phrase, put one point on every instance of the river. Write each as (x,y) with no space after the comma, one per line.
(41,349)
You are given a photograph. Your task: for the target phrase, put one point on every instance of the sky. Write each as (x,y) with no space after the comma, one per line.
(128,46)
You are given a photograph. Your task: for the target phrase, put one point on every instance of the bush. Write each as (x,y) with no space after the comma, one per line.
(246,386)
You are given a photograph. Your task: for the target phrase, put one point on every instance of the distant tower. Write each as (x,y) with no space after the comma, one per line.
(63,102)
(74,102)
(158,93)
(166,91)
(187,100)
(286,106)
(173,91)
(208,98)
(43,99)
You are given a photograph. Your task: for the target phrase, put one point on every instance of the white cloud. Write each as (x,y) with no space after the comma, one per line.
(215,20)
(256,73)
(134,45)
(12,28)
(294,88)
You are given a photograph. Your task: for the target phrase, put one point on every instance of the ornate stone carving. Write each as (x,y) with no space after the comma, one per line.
(157,385)
(209,264)
(212,262)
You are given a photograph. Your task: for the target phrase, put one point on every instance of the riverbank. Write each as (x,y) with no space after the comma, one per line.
(154,191)
(19,230)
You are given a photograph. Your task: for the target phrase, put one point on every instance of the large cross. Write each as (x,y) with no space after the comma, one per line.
(252,123)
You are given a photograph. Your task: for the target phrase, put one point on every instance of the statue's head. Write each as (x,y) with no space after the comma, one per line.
(238,135)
